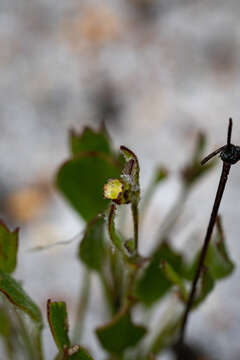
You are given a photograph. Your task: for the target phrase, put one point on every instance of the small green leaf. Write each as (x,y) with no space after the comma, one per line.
(175,279)
(200,146)
(124,246)
(81,181)
(117,239)
(90,140)
(153,283)
(194,170)
(206,286)
(188,270)
(166,334)
(218,261)
(92,248)
(8,248)
(193,173)
(17,296)
(58,322)
(161,173)
(120,333)
(5,325)
(114,236)
(130,246)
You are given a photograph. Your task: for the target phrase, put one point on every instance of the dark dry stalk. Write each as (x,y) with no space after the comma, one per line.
(229,133)
(210,156)
(221,187)
(220,191)
(134,208)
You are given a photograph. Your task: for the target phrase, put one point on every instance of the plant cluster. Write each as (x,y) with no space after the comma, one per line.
(133,283)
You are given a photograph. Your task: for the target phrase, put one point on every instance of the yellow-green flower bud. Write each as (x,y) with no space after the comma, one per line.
(117,190)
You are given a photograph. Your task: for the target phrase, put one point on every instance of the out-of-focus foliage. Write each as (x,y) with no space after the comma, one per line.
(58,322)
(130,280)
(82,177)
(8,249)
(17,296)
(120,333)
(92,250)
(81,180)
(153,283)
(90,140)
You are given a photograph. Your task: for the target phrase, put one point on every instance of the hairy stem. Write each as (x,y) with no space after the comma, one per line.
(108,294)
(25,336)
(38,342)
(133,268)
(82,306)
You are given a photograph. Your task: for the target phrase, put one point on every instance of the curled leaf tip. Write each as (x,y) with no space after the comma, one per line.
(161,174)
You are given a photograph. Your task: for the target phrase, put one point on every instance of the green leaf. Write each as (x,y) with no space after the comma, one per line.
(130,246)
(92,248)
(175,279)
(218,262)
(81,181)
(166,334)
(217,259)
(17,296)
(90,140)
(153,283)
(194,170)
(5,324)
(113,234)
(161,173)
(206,286)
(58,322)
(8,248)
(120,333)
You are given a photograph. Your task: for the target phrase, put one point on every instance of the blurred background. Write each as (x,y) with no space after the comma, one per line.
(157,72)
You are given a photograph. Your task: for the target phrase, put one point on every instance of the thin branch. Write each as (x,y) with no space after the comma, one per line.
(210,156)
(213,218)
(220,191)
(134,208)
(229,133)
(228,146)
